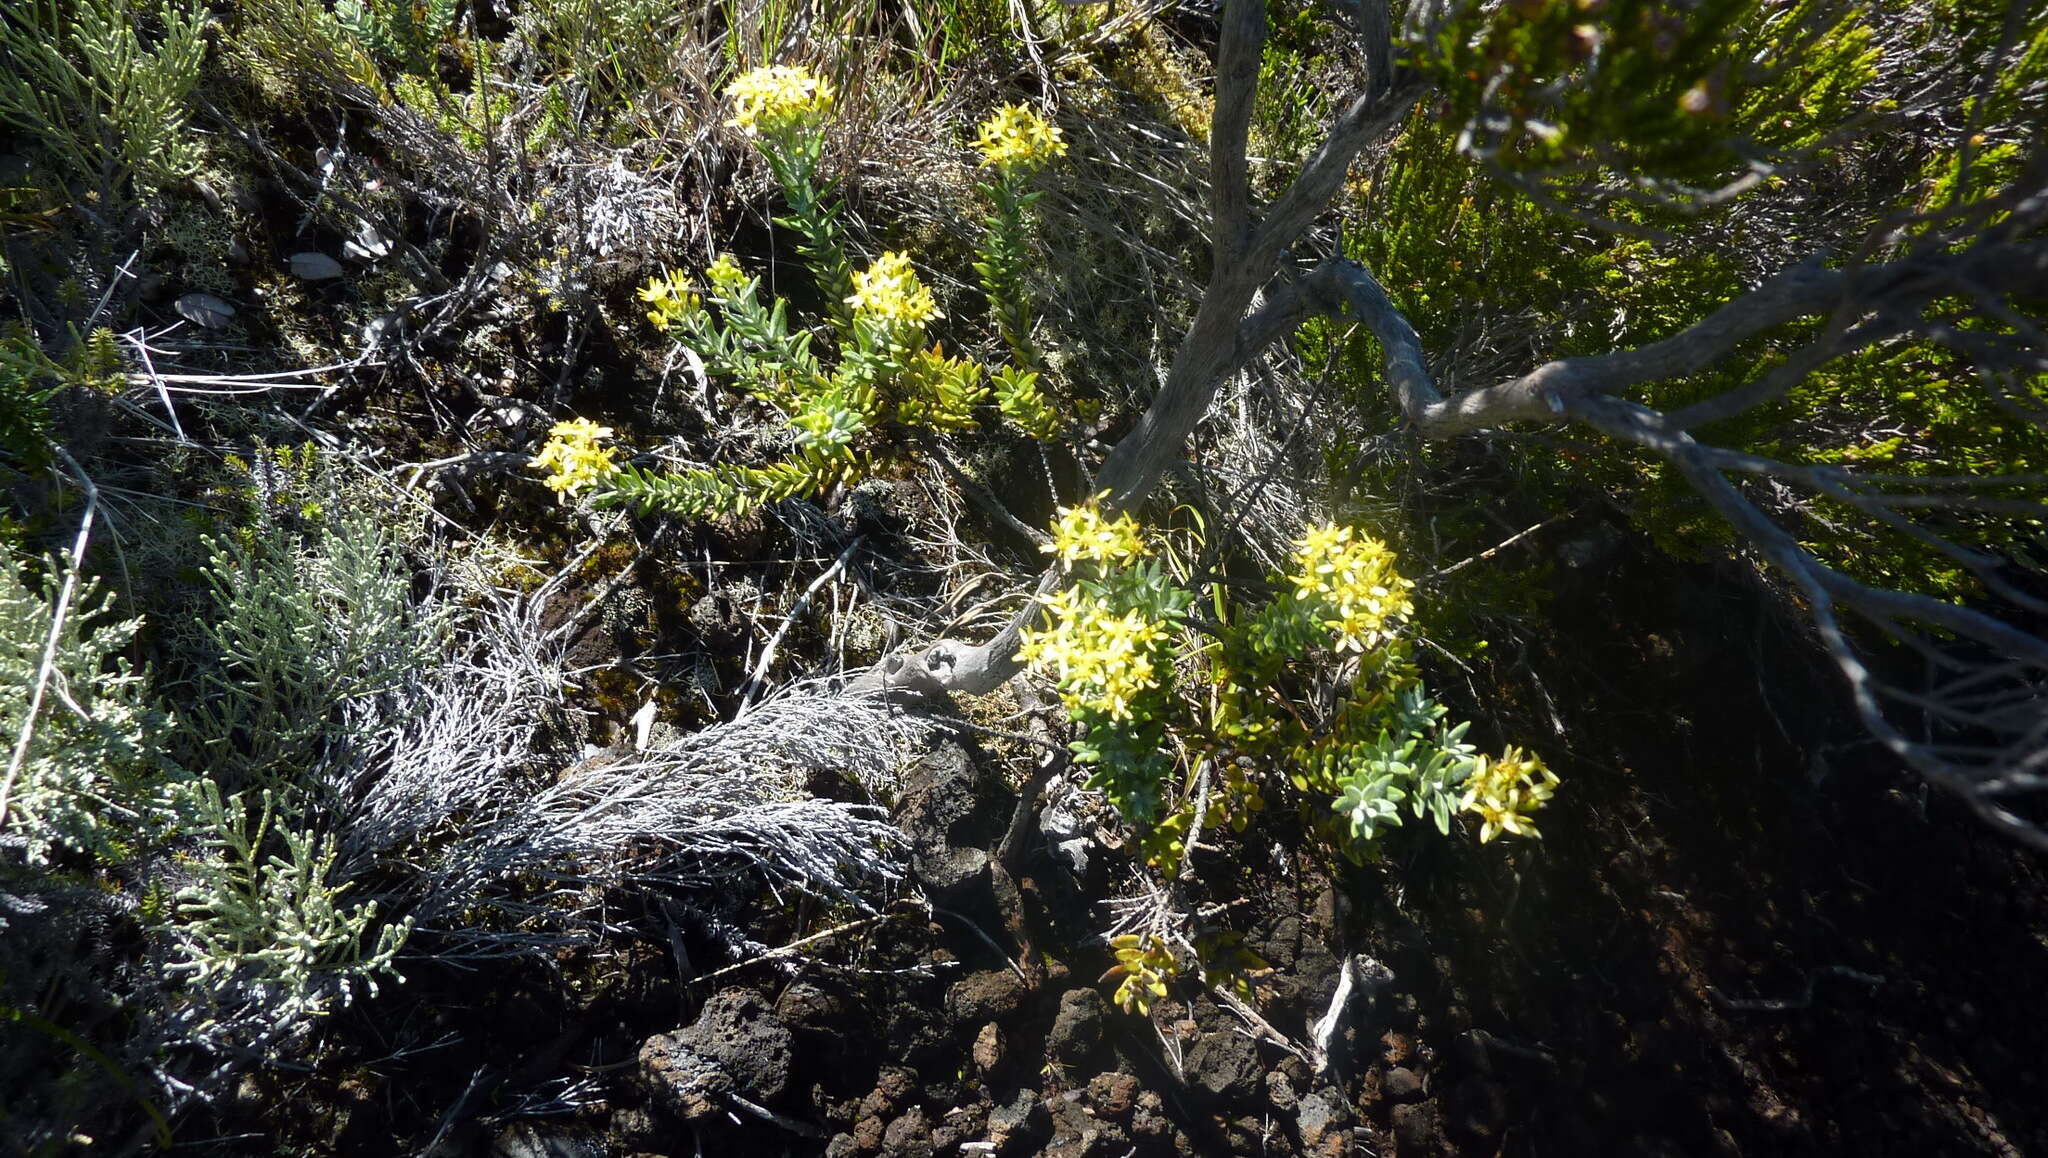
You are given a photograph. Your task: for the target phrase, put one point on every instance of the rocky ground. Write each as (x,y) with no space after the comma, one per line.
(1740,935)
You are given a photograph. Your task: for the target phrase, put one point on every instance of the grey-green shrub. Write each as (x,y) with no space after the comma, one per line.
(85,774)
(104,105)
(262,935)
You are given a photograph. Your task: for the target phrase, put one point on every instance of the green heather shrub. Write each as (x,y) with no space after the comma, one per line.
(85,771)
(99,97)
(28,380)
(1554,202)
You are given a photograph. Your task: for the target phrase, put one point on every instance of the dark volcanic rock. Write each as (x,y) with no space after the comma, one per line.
(1226,1064)
(982,997)
(1479,1108)
(1401,1085)
(909,1136)
(1020,1124)
(528,1140)
(806,1006)
(894,1087)
(685,1081)
(867,1134)
(949,812)
(1148,1119)
(736,1045)
(988,1048)
(1323,1114)
(1113,1094)
(1079,1132)
(1078,1027)
(1418,1131)
(1280,1091)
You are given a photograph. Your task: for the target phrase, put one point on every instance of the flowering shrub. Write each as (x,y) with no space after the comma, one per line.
(852,394)
(573,459)
(1157,710)
(1016,140)
(779,101)
(1383,749)
(1108,639)
(1014,143)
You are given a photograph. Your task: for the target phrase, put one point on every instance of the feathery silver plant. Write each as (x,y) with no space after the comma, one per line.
(722,803)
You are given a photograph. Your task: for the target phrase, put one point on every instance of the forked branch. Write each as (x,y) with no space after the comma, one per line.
(1228,330)
(1977,719)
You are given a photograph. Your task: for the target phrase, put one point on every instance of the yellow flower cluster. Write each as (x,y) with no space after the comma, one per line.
(1104,660)
(1145,964)
(1504,793)
(726,276)
(1082,533)
(1015,139)
(889,289)
(778,99)
(669,299)
(573,458)
(1353,578)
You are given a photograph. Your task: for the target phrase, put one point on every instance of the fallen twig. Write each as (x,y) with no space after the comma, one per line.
(899,909)
(767,660)
(58,616)
(1791,1004)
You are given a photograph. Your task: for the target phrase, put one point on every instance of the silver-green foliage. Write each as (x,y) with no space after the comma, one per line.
(309,636)
(313,644)
(102,102)
(1414,758)
(85,774)
(262,930)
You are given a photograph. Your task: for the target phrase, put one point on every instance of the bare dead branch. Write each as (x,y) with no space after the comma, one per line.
(1238,51)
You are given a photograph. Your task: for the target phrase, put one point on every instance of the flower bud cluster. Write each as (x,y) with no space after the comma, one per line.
(1016,140)
(1104,660)
(1082,533)
(670,299)
(889,290)
(1352,582)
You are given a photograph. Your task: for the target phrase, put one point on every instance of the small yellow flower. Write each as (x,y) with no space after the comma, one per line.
(572,457)
(670,299)
(889,289)
(1103,661)
(1351,580)
(778,99)
(1015,139)
(1504,793)
(726,276)
(1082,533)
